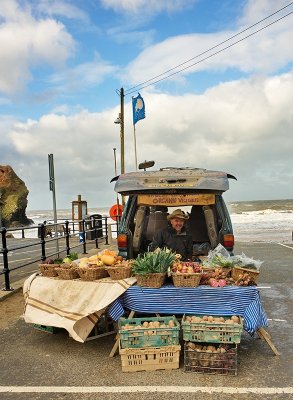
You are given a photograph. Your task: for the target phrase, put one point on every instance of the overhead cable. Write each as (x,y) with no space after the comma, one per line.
(153,81)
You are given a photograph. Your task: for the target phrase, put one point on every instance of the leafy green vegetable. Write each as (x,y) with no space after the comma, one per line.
(73,256)
(222,261)
(58,261)
(157,261)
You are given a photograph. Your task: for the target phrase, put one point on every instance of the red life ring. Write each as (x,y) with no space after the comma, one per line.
(116,211)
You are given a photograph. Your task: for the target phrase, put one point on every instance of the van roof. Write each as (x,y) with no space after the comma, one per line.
(169,179)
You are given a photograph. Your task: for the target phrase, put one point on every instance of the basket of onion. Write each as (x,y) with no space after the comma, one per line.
(247,276)
(186,274)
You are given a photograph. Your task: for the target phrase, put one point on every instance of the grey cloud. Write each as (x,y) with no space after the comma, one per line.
(247,134)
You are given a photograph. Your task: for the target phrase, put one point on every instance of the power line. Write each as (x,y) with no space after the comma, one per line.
(142,85)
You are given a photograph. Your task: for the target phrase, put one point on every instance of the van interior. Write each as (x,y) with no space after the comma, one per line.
(202,225)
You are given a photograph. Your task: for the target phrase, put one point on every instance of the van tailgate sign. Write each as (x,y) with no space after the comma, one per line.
(176,199)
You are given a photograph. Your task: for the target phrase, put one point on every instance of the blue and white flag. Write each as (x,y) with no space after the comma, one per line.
(138,108)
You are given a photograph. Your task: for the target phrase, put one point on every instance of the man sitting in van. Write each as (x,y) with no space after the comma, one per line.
(175,236)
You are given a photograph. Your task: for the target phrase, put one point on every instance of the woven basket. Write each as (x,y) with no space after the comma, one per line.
(49,269)
(117,273)
(151,280)
(92,273)
(67,273)
(227,270)
(236,271)
(186,280)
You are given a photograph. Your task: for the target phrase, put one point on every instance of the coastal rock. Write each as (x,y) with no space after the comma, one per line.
(13,195)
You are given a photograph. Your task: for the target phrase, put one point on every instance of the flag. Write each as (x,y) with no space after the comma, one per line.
(138,108)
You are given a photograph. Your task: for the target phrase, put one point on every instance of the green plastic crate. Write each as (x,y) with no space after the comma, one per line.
(48,329)
(141,337)
(212,332)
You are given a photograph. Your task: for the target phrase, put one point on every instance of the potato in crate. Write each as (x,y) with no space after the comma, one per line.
(205,358)
(212,328)
(148,332)
(150,358)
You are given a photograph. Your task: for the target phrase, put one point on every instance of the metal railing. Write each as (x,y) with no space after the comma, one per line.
(63,234)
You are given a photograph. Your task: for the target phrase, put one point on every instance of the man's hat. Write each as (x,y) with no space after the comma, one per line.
(178,214)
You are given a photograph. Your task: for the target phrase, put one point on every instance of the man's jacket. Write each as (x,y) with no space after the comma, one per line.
(180,243)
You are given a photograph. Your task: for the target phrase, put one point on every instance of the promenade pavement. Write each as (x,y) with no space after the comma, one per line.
(43,363)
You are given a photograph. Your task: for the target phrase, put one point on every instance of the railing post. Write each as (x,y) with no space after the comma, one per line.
(5,261)
(84,239)
(22,233)
(42,241)
(106,230)
(96,238)
(67,234)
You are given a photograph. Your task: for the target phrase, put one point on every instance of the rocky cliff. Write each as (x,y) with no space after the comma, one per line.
(13,193)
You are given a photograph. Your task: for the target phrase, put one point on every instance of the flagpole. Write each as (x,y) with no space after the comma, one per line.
(135,151)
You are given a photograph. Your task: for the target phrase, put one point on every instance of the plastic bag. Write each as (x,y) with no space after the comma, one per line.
(247,262)
(200,249)
(219,250)
(219,257)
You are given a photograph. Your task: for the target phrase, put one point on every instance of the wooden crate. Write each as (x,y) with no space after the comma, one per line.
(150,359)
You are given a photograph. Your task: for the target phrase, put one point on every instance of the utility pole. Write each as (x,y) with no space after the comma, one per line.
(120,121)
(122,130)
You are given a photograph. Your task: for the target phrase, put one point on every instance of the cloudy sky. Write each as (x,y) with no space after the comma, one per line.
(62,62)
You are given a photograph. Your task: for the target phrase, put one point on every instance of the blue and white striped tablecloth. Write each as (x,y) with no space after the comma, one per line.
(204,300)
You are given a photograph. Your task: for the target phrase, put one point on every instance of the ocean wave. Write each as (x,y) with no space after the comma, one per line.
(267,211)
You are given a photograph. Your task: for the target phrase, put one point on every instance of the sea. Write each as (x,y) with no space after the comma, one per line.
(253,221)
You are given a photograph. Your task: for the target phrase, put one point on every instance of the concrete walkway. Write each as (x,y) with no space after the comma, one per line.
(38,365)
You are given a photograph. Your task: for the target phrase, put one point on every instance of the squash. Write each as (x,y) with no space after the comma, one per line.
(107,259)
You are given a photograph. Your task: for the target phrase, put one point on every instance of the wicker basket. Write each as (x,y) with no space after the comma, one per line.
(49,269)
(151,280)
(67,273)
(186,280)
(117,273)
(92,273)
(226,270)
(236,271)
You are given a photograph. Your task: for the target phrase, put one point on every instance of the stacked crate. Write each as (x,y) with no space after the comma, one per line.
(149,344)
(210,344)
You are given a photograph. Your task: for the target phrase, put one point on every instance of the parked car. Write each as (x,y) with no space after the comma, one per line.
(152,195)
